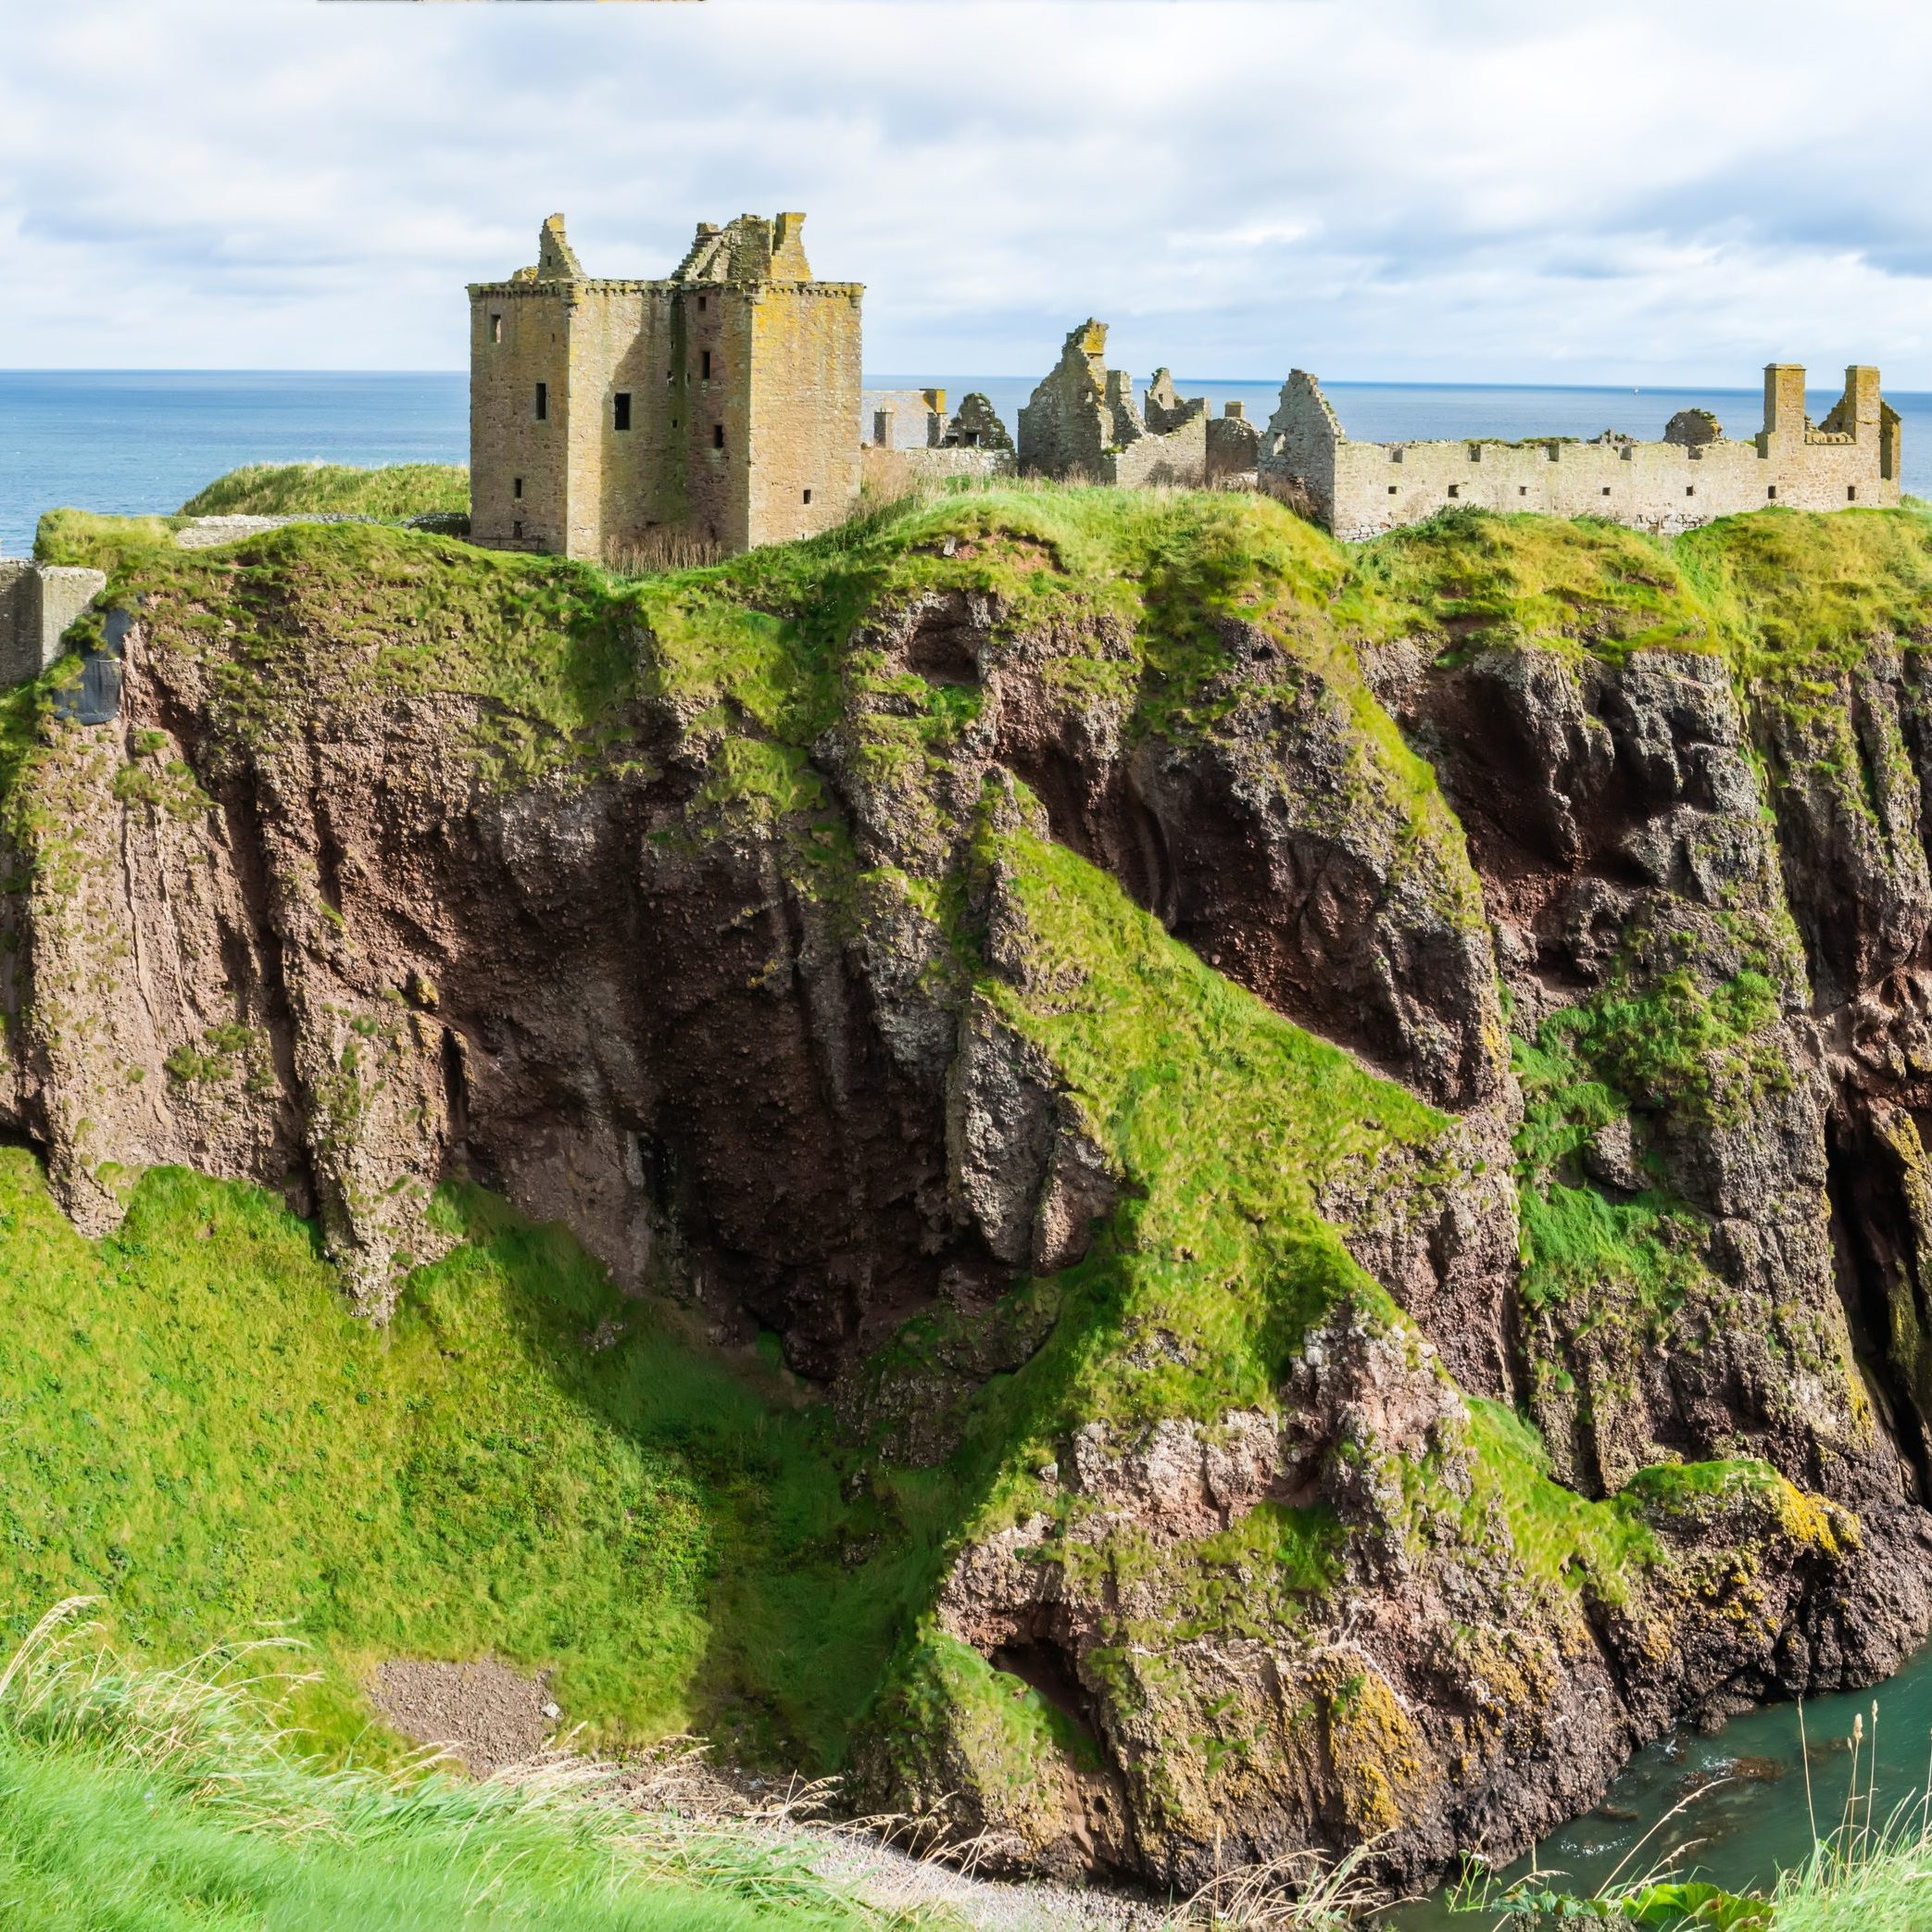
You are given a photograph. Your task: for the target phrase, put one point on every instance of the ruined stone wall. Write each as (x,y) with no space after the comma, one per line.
(805,388)
(1082,421)
(16,586)
(1179,458)
(1362,489)
(892,473)
(1065,426)
(519,337)
(902,418)
(1234,445)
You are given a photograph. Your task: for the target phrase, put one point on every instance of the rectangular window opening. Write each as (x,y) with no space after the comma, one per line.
(1455,489)
(704,364)
(620,409)
(495,328)
(700,305)
(808,495)
(1391,489)
(1772,492)
(717,436)
(1606,489)
(543,402)
(1850,492)
(1522,489)
(1690,489)
(516,488)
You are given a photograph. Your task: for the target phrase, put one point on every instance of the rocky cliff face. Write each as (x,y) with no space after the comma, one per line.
(1355,1117)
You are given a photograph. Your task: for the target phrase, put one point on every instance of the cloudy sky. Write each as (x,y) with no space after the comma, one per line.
(1397,189)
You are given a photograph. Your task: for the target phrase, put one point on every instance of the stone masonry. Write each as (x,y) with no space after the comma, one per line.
(717,406)
(1082,421)
(37,604)
(1695,475)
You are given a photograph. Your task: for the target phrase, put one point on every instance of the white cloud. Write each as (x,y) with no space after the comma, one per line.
(1367,187)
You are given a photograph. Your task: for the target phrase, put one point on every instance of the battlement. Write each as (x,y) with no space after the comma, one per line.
(713,406)
(1694,475)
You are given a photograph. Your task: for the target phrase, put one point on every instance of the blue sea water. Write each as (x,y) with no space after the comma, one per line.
(131,441)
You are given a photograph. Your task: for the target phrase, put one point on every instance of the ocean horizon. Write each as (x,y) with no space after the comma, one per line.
(130,442)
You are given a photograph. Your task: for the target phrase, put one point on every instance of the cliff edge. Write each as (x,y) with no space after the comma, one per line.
(1338,1132)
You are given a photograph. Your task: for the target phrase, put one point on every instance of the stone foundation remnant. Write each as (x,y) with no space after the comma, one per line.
(1694,475)
(716,407)
(37,604)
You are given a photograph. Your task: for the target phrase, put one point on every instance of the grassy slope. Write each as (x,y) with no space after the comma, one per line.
(195,1427)
(131,1796)
(291,489)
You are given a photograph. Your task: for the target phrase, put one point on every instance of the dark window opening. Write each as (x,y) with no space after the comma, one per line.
(1455,489)
(1391,489)
(495,328)
(1690,489)
(700,305)
(516,487)
(808,495)
(1522,489)
(516,530)
(1772,491)
(717,436)
(543,402)
(1606,489)
(1850,492)
(704,364)
(622,408)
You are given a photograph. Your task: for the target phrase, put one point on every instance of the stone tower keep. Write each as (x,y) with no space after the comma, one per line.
(719,405)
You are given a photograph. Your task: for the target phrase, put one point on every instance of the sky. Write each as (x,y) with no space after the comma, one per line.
(1376,190)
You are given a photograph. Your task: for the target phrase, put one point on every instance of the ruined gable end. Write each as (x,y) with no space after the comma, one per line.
(1081,422)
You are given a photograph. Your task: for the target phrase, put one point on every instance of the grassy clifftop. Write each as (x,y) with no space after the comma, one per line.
(296,489)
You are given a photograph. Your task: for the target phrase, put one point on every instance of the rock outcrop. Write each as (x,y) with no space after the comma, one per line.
(1351,1168)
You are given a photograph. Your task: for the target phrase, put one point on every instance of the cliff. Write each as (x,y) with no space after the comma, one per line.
(1338,1132)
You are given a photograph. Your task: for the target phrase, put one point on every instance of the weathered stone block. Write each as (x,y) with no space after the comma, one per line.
(37,604)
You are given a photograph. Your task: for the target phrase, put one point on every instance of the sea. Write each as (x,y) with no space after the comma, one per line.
(135,441)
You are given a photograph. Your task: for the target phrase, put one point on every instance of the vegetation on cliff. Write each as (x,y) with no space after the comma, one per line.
(198,1430)
(395,491)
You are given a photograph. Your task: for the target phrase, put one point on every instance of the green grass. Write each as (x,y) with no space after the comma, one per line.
(192,1424)
(133,1799)
(395,490)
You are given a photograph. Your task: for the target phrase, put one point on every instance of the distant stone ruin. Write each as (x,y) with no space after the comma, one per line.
(911,441)
(1081,422)
(976,425)
(1694,475)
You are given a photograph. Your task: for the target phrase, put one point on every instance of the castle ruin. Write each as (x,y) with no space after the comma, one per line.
(724,405)
(1694,475)
(717,406)
(1083,422)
